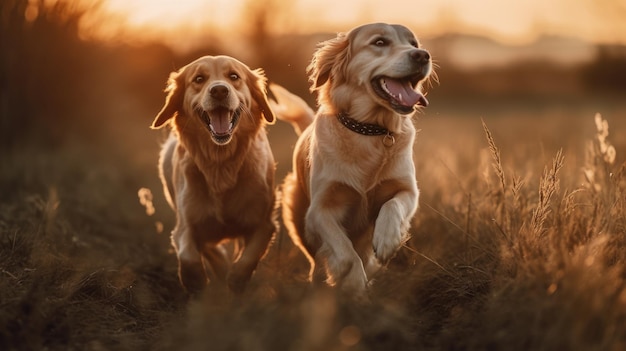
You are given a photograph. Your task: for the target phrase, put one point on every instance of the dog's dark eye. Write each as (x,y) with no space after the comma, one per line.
(415,43)
(233,76)
(198,79)
(380,42)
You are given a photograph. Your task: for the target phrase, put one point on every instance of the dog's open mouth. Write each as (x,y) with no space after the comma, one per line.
(220,122)
(400,92)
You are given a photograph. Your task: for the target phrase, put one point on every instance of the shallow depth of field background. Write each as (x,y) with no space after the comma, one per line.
(518,244)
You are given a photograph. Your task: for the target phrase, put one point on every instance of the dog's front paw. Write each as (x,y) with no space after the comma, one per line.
(192,276)
(238,280)
(387,240)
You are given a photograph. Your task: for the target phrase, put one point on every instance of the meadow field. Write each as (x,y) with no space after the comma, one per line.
(519,242)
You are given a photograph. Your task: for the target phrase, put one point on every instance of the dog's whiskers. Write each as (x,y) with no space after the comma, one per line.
(433,76)
(246,112)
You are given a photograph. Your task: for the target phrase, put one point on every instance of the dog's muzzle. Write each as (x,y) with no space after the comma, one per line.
(221,123)
(401,92)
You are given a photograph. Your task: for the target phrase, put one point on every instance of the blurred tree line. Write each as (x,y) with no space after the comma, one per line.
(53,84)
(607,73)
(39,63)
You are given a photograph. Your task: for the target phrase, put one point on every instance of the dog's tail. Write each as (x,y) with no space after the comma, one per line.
(290,108)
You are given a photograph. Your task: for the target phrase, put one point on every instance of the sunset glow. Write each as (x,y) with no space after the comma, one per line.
(180,23)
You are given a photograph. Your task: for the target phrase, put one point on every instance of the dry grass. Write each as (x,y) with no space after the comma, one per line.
(516,246)
(497,261)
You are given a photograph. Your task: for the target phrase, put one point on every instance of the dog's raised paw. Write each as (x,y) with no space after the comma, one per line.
(386,242)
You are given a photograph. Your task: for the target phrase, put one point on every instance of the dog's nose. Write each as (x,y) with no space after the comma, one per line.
(219,92)
(420,56)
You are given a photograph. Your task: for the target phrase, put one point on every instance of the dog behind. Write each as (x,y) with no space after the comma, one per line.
(217,170)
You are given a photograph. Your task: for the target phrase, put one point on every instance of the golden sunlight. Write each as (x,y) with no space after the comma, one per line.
(174,22)
(182,23)
(169,14)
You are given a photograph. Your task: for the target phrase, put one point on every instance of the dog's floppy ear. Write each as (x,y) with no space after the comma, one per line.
(257,85)
(329,59)
(173,101)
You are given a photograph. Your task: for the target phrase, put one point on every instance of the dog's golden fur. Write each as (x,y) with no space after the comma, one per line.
(349,201)
(218,170)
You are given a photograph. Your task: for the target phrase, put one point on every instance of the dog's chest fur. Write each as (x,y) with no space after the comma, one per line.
(213,183)
(365,161)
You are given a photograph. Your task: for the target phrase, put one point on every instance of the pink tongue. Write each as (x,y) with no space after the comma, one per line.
(404,93)
(220,121)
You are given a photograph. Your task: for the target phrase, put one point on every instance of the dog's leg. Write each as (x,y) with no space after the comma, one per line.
(363,246)
(294,207)
(218,262)
(392,223)
(336,252)
(254,249)
(190,268)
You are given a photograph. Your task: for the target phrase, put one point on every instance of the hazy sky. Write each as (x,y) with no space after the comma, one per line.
(508,21)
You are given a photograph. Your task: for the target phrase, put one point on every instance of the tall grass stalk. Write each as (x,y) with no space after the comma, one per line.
(548,187)
(497,166)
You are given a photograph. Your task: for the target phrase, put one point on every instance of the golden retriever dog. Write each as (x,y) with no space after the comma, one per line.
(217,170)
(349,200)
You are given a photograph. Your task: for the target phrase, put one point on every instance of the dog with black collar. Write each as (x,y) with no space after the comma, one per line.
(349,201)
